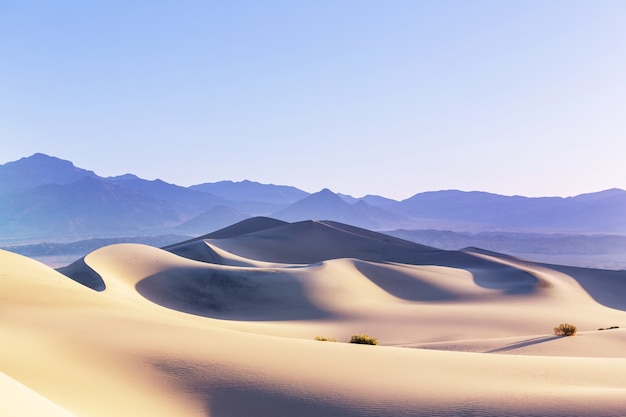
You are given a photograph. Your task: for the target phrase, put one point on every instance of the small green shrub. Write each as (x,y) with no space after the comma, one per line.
(363,339)
(565,329)
(324,339)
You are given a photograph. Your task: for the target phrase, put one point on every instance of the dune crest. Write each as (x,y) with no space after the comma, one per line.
(224,325)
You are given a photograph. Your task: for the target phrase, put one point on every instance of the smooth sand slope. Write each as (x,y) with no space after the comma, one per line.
(224,325)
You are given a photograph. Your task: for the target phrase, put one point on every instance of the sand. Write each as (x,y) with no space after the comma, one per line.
(230,332)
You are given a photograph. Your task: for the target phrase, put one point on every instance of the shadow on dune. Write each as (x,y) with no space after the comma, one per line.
(227,391)
(261,401)
(606,287)
(402,285)
(309,242)
(82,273)
(196,250)
(523,343)
(486,273)
(248,295)
(222,397)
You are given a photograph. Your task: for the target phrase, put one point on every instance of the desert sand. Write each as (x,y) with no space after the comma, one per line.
(224,325)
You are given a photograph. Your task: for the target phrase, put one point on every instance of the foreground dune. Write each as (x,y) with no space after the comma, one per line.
(224,325)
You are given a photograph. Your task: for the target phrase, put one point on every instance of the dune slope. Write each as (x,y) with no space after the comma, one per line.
(232,334)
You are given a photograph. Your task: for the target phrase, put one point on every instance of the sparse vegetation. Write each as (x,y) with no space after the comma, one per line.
(324,339)
(565,329)
(609,328)
(363,339)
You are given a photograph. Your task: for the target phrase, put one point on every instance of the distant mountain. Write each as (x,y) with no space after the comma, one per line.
(83,247)
(317,206)
(372,200)
(583,250)
(36,170)
(519,243)
(43,196)
(252,198)
(326,205)
(215,218)
(252,191)
(348,198)
(187,201)
(474,206)
(378,201)
(603,211)
(84,207)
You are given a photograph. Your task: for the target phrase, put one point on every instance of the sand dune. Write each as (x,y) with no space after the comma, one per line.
(224,325)
(24,402)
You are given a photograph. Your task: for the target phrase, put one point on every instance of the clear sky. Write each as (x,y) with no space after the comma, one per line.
(363,97)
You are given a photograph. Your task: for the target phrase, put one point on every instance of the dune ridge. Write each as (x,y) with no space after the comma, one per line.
(228,330)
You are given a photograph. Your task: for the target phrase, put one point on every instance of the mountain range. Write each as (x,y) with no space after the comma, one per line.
(44,197)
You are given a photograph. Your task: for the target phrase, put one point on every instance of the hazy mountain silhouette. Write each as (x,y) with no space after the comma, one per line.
(326,205)
(215,218)
(602,211)
(47,196)
(252,191)
(86,206)
(36,170)
(189,202)
(318,206)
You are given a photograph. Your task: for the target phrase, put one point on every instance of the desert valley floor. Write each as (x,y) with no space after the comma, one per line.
(225,325)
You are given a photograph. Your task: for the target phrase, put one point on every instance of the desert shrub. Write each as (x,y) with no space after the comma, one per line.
(609,328)
(324,339)
(565,329)
(363,339)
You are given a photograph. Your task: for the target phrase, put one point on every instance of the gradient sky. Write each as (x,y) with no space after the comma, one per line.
(363,97)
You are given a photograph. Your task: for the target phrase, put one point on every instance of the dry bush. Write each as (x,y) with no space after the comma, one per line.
(565,329)
(324,339)
(363,339)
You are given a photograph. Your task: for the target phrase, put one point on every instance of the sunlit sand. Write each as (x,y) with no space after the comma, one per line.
(231,331)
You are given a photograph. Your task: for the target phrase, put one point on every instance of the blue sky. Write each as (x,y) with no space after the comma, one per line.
(363,97)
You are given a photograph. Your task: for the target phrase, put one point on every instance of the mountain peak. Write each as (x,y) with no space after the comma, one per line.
(124,177)
(40,158)
(326,193)
(610,193)
(325,197)
(39,169)
(326,205)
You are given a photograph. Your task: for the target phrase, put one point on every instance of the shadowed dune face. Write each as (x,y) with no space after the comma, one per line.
(223,398)
(80,272)
(411,283)
(486,273)
(196,250)
(227,286)
(234,294)
(309,242)
(327,290)
(246,226)
(606,287)
(507,279)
